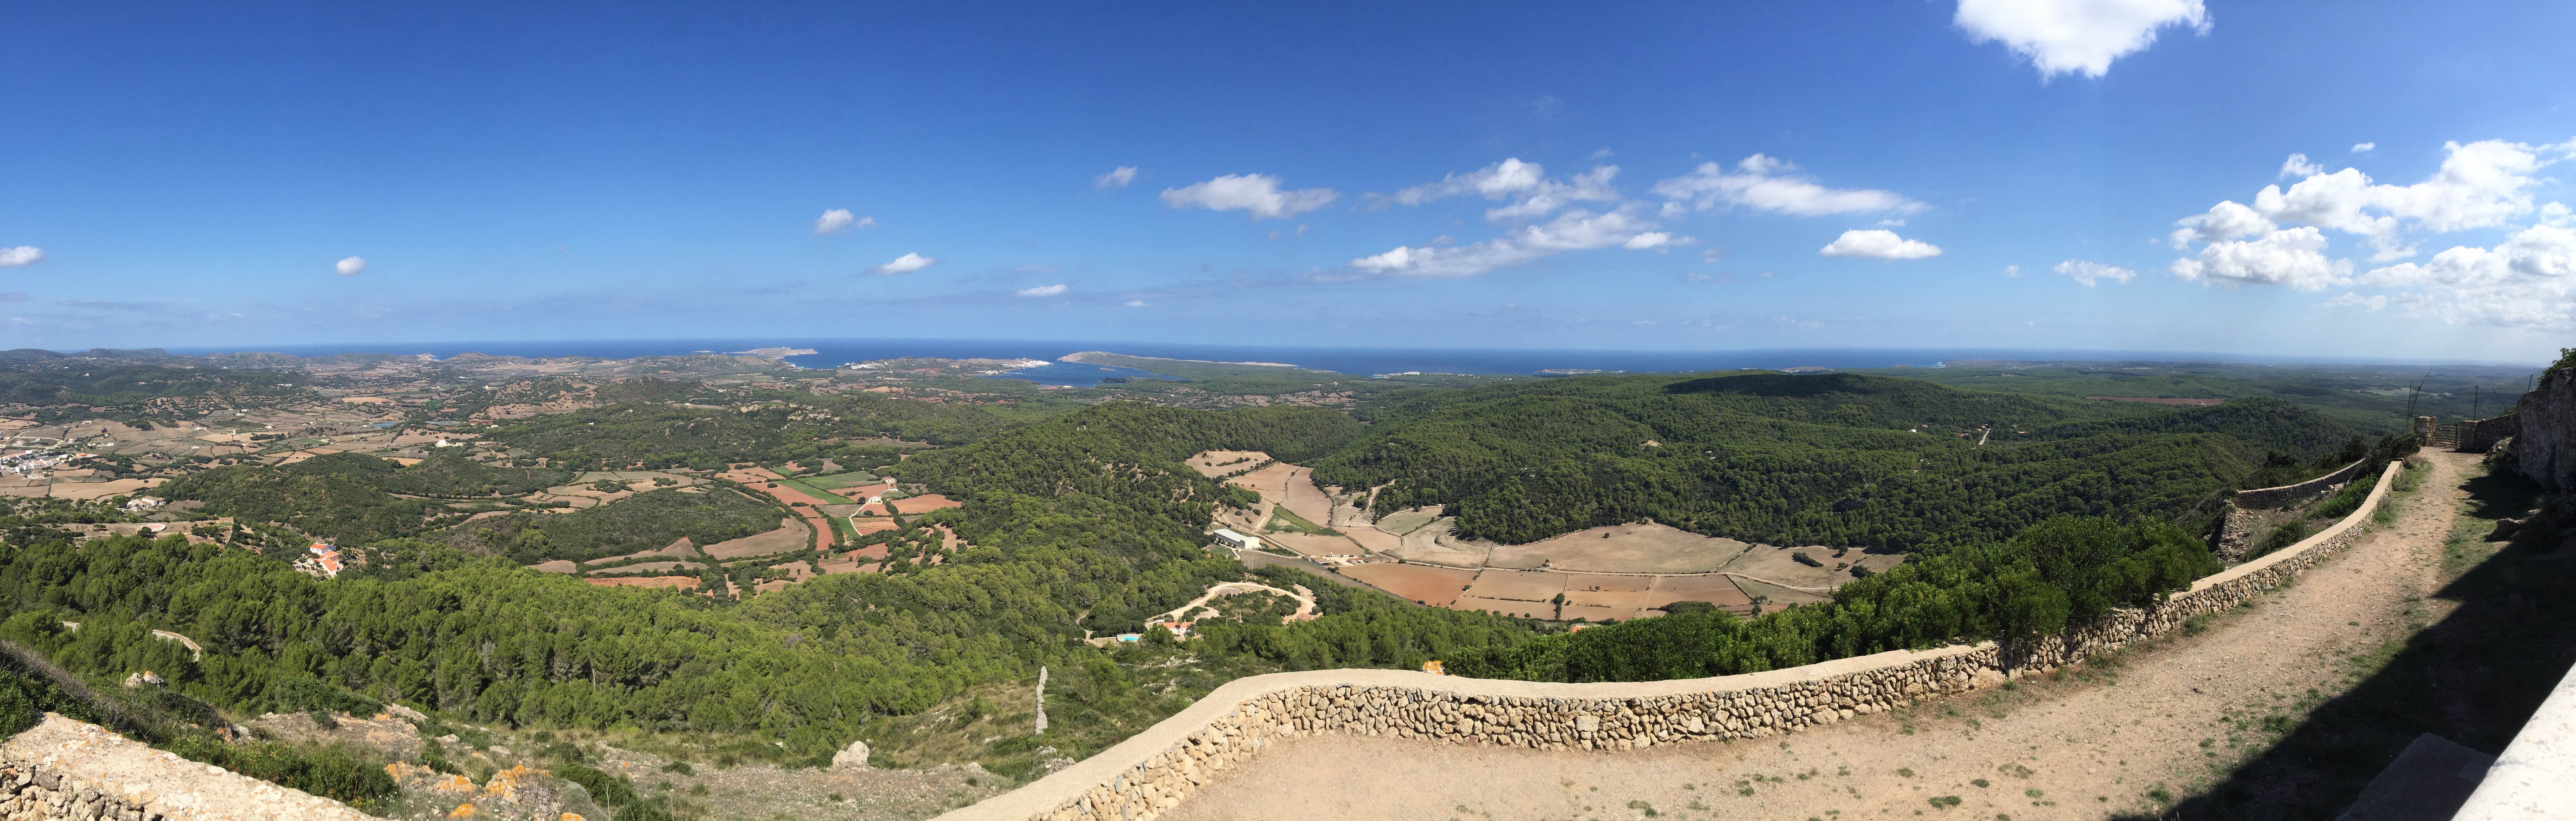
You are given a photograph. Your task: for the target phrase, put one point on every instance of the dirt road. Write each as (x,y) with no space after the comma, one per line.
(2130,736)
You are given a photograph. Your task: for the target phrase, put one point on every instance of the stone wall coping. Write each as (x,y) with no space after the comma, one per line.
(2535,778)
(157,782)
(2356,519)
(1040,798)
(1045,794)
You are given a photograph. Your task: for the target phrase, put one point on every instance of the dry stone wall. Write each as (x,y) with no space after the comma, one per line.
(69,770)
(1155,770)
(2481,435)
(2272,497)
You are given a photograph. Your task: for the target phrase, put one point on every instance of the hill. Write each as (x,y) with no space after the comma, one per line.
(1838,459)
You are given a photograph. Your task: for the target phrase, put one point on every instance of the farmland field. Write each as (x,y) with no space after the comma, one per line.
(840,480)
(818,493)
(790,536)
(1435,586)
(1628,548)
(1517,585)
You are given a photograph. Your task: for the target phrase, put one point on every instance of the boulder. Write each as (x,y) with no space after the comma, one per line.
(851,758)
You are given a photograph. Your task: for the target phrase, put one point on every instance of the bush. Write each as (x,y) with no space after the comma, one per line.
(608,790)
(2347,501)
(1802,558)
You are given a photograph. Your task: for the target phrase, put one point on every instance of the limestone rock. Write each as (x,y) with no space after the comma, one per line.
(851,758)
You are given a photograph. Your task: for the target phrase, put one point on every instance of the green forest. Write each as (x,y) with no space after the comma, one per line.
(1833,459)
(1087,522)
(645,521)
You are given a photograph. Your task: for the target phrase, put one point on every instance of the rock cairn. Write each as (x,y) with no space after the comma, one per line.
(1153,771)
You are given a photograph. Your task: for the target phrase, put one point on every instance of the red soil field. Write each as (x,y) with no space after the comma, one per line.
(658,581)
(1524,609)
(913,506)
(1435,586)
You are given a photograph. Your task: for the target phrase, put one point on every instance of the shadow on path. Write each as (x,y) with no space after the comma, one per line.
(2473,678)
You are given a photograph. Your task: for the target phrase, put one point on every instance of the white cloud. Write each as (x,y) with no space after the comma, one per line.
(21,255)
(1877,244)
(2224,221)
(2351,300)
(1257,194)
(1574,230)
(1116,178)
(2528,281)
(1525,184)
(2361,147)
(2480,185)
(1043,290)
(2299,166)
(2092,273)
(2076,36)
(2013,270)
(1137,303)
(2294,257)
(905,264)
(840,219)
(1655,241)
(1765,182)
(2540,252)
(1712,255)
(351,266)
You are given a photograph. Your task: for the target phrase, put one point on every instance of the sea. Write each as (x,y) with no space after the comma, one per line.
(832,353)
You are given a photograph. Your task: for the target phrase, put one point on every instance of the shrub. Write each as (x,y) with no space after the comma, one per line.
(608,790)
(1802,558)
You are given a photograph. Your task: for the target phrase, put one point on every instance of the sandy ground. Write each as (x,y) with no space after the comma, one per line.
(789,536)
(2157,723)
(1629,548)
(1221,462)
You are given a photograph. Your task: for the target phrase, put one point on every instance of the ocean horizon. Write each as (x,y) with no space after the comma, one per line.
(1357,361)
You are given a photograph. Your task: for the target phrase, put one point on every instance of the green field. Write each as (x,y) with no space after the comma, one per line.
(815,491)
(840,480)
(1283,520)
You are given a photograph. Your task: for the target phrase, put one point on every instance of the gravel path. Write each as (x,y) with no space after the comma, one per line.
(2128,736)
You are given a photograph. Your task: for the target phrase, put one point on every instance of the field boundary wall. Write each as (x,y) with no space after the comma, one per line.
(1151,772)
(2272,497)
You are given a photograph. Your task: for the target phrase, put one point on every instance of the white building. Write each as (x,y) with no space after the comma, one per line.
(1235,540)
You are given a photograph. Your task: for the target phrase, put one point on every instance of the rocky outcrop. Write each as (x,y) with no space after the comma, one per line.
(2544,450)
(851,758)
(1153,771)
(76,771)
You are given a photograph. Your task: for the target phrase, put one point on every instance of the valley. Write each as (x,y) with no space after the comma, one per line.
(749,571)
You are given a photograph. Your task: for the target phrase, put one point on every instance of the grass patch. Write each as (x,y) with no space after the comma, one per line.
(840,480)
(817,491)
(1285,521)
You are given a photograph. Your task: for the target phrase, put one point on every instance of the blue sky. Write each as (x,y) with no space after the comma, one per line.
(2007,173)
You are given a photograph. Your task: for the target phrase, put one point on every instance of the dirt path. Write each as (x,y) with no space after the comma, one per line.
(2130,736)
